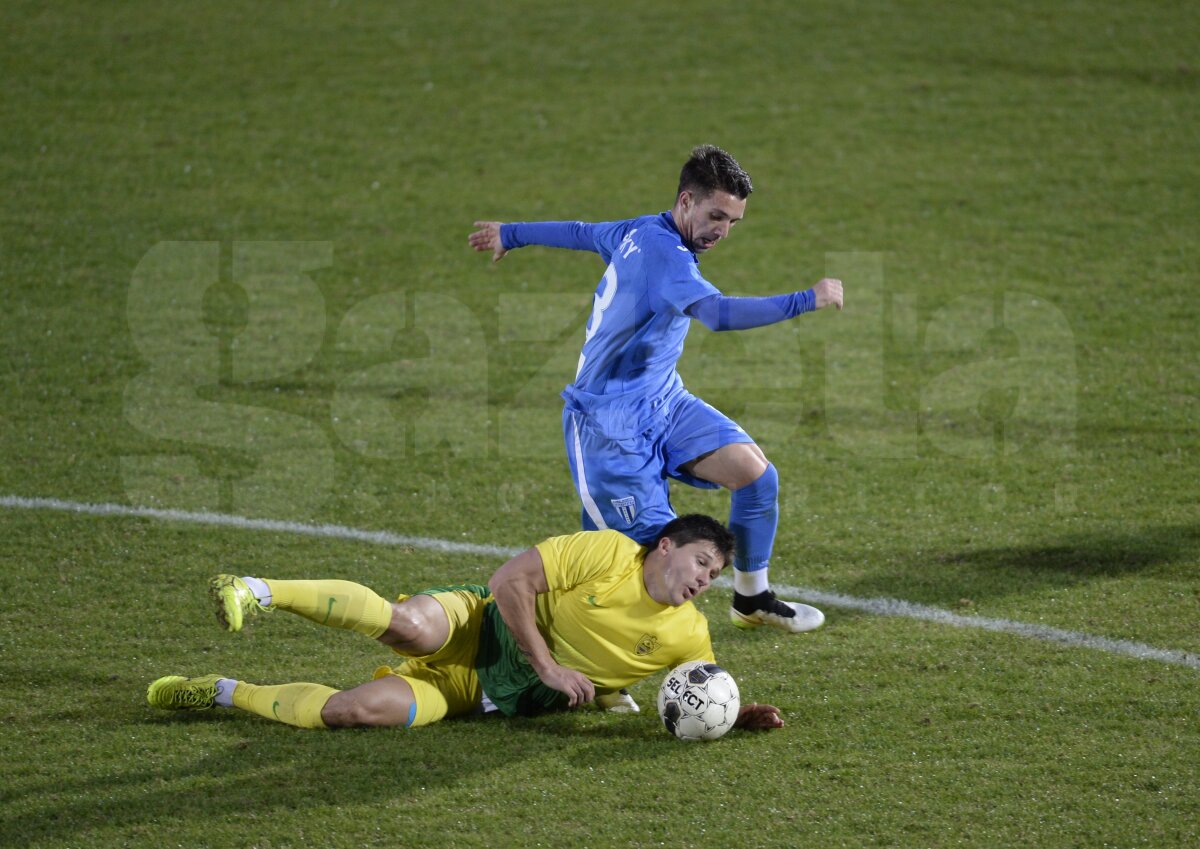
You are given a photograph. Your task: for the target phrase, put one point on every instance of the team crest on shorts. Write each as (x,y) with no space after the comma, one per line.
(647,644)
(626,507)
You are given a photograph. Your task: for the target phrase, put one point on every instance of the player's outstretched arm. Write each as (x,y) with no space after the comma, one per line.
(724,312)
(756,717)
(502,237)
(487,238)
(515,586)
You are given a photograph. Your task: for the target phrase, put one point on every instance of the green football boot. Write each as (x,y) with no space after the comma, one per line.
(174,692)
(233,601)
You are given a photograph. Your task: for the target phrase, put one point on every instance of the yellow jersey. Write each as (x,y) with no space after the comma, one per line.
(598,618)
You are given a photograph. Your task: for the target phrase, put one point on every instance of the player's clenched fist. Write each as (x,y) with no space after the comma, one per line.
(828,291)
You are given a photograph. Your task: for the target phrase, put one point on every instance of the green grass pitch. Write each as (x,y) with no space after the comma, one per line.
(234,278)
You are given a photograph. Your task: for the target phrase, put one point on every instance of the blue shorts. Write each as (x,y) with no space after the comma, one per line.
(623,452)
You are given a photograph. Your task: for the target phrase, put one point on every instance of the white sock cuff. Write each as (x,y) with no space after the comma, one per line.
(260,589)
(225,687)
(750,583)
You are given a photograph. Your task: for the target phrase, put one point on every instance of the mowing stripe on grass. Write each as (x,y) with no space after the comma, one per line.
(876,606)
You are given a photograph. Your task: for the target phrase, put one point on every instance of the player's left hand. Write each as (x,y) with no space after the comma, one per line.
(756,717)
(828,291)
(487,238)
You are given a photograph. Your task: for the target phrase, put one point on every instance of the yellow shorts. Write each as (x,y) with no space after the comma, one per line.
(444,683)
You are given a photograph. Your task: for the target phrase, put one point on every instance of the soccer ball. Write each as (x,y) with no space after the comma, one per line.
(698,701)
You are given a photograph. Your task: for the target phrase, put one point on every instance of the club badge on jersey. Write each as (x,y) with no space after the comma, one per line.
(626,508)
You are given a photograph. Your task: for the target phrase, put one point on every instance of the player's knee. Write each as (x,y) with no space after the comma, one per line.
(755,470)
(346,710)
(419,626)
(733,466)
(763,488)
(407,623)
(338,712)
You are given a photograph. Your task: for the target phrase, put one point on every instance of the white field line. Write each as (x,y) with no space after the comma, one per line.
(876,606)
(1045,633)
(246,524)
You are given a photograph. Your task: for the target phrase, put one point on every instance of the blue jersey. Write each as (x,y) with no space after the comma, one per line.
(638,324)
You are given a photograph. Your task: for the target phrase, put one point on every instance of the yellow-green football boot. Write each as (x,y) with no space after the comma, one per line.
(233,600)
(174,692)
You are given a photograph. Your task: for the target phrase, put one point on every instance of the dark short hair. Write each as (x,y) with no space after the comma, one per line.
(696,527)
(711,169)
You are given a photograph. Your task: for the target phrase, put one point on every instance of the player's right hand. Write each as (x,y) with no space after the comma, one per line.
(487,238)
(827,291)
(577,686)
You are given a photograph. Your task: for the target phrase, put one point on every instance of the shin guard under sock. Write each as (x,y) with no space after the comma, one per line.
(753,518)
(338,604)
(294,704)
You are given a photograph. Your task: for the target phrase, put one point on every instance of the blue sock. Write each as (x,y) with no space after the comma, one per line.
(753,518)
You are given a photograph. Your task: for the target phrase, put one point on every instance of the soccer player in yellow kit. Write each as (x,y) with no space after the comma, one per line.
(574,618)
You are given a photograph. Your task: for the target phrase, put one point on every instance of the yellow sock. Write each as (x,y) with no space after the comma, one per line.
(338,604)
(295,704)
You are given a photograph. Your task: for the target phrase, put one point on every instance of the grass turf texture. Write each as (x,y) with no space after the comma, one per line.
(1002,423)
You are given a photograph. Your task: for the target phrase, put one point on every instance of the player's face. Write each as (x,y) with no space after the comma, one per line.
(687,570)
(704,221)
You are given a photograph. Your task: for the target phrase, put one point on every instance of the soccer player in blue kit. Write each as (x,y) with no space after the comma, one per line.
(628,422)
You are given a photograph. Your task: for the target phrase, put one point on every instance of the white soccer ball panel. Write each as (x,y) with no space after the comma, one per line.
(692,728)
(721,689)
(698,701)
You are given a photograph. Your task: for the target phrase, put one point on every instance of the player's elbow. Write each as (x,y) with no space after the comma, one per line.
(707,311)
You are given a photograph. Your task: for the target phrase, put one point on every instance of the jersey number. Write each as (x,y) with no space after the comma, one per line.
(604,298)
